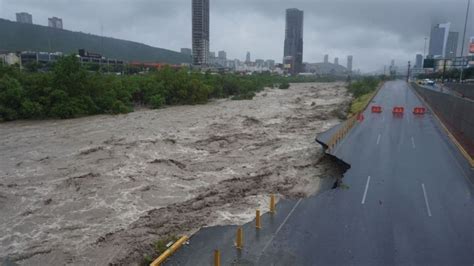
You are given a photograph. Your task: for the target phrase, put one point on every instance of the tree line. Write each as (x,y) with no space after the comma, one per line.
(71,90)
(365,85)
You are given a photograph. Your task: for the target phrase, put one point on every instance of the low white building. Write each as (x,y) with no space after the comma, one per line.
(9,59)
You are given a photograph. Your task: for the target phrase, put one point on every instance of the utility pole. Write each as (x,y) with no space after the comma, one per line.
(408,72)
(464,40)
(102,38)
(424,54)
(444,70)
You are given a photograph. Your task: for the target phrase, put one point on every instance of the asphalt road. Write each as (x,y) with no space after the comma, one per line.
(406,200)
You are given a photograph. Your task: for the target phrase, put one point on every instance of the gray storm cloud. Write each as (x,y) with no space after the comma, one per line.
(374,31)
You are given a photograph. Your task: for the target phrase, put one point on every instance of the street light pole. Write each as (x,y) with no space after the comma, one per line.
(464,40)
(408,72)
(444,70)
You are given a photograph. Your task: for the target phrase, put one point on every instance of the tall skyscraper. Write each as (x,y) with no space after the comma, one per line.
(349,63)
(438,40)
(326,58)
(55,22)
(247,58)
(452,44)
(24,17)
(419,61)
(336,60)
(200,32)
(293,50)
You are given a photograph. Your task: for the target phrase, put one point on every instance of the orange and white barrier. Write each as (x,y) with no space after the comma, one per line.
(377,109)
(398,110)
(419,110)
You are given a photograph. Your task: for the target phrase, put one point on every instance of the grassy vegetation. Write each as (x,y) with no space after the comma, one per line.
(160,247)
(363,90)
(147,260)
(70,90)
(359,104)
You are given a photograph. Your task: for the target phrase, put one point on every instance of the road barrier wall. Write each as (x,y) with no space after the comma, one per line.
(456,113)
(466,90)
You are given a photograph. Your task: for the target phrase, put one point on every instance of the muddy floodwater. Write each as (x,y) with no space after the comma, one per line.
(99,190)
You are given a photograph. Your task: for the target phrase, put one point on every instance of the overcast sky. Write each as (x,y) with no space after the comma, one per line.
(374,31)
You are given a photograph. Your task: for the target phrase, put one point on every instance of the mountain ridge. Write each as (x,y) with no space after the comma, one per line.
(30,37)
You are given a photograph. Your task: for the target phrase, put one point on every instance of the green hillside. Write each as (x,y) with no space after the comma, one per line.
(21,37)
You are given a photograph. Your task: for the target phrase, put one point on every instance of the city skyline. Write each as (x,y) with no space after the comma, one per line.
(438,40)
(371,43)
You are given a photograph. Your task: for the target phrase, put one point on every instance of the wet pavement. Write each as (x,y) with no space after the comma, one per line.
(406,200)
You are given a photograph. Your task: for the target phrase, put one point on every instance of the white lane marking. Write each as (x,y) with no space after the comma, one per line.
(383,118)
(426,200)
(366,189)
(413,143)
(281,226)
(378,139)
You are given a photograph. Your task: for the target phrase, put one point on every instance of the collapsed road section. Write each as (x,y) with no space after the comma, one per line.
(406,179)
(105,189)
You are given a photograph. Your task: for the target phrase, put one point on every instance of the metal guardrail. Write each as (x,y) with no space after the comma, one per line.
(163,257)
(349,124)
(239,242)
(341,133)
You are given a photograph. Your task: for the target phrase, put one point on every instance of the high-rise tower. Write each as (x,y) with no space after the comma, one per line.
(350,58)
(438,40)
(200,32)
(293,51)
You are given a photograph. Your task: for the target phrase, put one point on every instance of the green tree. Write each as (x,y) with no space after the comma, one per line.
(11,97)
(70,77)
(30,109)
(157,101)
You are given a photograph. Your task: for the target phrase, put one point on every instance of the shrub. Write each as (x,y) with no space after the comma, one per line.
(157,101)
(119,108)
(284,86)
(31,109)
